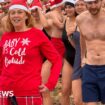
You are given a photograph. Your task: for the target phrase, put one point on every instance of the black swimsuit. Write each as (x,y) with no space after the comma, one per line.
(70,50)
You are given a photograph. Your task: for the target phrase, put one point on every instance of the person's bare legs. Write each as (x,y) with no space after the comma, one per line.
(66,83)
(77,91)
(47,100)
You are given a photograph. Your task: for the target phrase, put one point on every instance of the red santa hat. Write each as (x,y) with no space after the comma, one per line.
(55,3)
(52,4)
(59,2)
(19,4)
(36,4)
(29,2)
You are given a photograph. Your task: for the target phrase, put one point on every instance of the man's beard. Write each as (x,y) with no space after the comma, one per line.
(94,11)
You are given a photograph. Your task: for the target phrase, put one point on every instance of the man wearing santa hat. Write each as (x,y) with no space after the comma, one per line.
(41,23)
(91,24)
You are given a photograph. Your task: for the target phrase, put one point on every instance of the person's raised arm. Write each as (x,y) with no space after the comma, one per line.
(56,21)
(45,22)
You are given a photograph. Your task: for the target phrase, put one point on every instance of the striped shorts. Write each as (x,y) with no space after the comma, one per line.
(27,100)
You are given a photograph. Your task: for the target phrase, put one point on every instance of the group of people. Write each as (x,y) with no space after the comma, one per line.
(42,41)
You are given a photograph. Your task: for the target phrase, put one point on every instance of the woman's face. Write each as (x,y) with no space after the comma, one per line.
(70,11)
(35,14)
(18,17)
(80,6)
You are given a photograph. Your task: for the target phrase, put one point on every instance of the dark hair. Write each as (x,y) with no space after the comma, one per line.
(48,10)
(69,3)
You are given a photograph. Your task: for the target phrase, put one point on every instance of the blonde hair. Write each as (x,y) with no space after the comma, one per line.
(29,22)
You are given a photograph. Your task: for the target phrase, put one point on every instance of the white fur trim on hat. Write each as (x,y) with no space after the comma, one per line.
(54,6)
(76,1)
(57,5)
(71,1)
(34,7)
(18,7)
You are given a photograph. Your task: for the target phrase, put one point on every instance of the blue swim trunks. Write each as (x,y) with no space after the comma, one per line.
(93,83)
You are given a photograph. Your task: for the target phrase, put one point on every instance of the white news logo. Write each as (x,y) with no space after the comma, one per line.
(6,93)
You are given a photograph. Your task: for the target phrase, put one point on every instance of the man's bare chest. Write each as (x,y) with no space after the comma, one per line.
(93,30)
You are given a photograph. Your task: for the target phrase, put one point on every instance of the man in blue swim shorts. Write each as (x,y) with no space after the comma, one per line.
(91,24)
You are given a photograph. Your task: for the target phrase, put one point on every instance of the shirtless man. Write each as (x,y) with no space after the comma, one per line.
(56,22)
(3,17)
(92,28)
